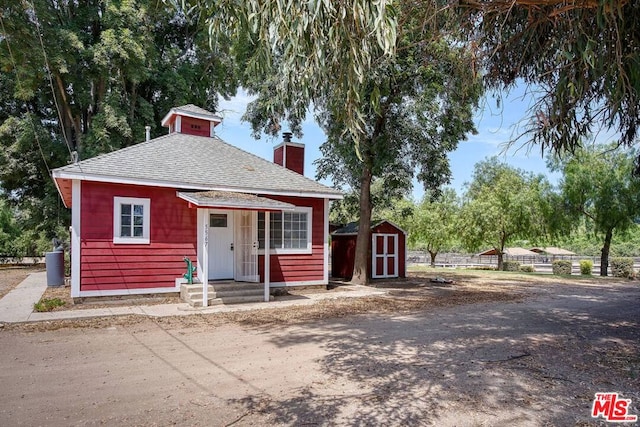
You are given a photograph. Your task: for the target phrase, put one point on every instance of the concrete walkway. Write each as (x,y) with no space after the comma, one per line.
(17,305)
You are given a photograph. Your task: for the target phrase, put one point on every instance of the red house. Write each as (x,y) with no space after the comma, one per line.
(387,256)
(139,211)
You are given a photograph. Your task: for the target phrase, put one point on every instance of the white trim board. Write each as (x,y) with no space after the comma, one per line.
(120,292)
(188,186)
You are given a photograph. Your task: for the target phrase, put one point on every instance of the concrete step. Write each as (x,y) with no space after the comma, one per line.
(228,300)
(231,286)
(223,293)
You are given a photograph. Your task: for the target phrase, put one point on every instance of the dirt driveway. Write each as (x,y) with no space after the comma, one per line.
(479,353)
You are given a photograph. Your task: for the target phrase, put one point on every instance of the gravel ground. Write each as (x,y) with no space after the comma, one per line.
(488,350)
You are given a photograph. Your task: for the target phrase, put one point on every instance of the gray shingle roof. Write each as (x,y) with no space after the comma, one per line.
(194,109)
(353,227)
(188,161)
(226,199)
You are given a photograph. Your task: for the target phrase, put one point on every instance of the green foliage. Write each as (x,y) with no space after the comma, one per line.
(423,112)
(527,268)
(510,265)
(582,56)
(562,267)
(433,222)
(114,68)
(622,267)
(586,267)
(501,204)
(48,304)
(598,184)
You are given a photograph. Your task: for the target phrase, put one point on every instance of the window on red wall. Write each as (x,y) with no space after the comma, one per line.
(131,220)
(289,232)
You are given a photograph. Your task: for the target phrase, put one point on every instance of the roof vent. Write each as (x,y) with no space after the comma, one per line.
(286,136)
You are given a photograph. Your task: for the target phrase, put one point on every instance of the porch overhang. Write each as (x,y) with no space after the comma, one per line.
(232,200)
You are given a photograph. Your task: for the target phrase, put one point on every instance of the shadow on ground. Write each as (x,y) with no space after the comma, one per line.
(538,363)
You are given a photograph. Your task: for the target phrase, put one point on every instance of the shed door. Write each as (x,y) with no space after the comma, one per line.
(384,256)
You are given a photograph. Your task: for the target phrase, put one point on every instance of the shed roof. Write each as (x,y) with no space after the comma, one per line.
(191,162)
(191,110)
(550,250)
(353,227)
(509,251)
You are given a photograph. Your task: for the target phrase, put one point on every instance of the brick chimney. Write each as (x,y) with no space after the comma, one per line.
(289,154)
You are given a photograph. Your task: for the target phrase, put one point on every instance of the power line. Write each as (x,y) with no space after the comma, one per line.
(33,126)
(53,92)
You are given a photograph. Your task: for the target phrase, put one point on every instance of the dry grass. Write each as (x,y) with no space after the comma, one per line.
(399,301)
(413,294)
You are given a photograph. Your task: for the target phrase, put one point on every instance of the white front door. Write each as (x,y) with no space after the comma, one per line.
(246,250)
(221,245)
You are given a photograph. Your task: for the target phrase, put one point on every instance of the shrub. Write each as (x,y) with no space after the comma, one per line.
(527,268)
(510,266)
(622,267)
(48,304)
(562,267)
(482,268)
(586,267)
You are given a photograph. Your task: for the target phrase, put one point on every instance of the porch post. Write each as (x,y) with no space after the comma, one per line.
(205,258)
(76,200)
(267,257)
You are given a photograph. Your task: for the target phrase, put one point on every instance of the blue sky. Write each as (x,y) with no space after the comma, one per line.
(496,126)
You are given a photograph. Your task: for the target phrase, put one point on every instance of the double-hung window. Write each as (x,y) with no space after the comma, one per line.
(131,220)
(289,231)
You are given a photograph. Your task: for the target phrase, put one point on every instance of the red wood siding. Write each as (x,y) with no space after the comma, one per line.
(303,267)
(343,249)
(277,155)
(109,266)
(294,157)
(193,126)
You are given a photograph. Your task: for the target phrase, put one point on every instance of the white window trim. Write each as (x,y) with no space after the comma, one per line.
(146,221)
(295,251)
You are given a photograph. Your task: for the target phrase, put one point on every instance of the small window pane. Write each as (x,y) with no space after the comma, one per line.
(218,220)
(125,231)
(137,220)
(260,230)
(125,220)
(125,209)
(137,231)
(138,209)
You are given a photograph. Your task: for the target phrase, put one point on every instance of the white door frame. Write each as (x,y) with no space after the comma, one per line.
(384,256)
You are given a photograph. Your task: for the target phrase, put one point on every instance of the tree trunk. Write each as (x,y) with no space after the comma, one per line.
(500,256)
(604,258)
(433,258)
(361,262)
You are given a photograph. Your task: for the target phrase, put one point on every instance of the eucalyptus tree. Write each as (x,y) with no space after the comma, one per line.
(598,185)
(580,57)
(501,204)
(426,97)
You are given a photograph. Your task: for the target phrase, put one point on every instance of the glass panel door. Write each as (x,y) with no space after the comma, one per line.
(247,246)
